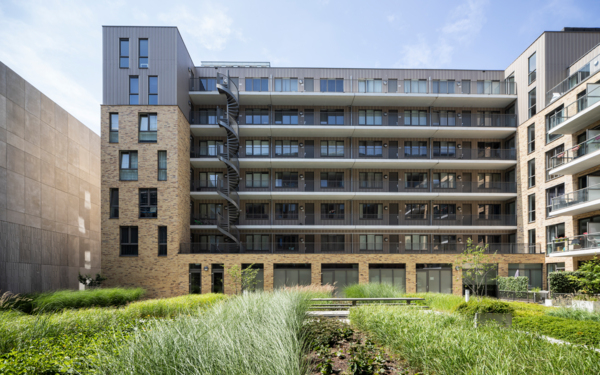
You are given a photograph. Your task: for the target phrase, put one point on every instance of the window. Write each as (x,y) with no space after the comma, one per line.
(153,90)
(533,271)
(444,242)
(532,68)
(210,148)
(444,180)
(286,179)
(369,85)
(444,211)
(210,179)
(332,85)
(443,118)
(531,103)
(309,84)
(162,166)
(128,166)
(286,84)
(531,207)
(550,158)
(257,84)
(257,116)
(415,180)
(415,118)
(489,211)
(488,180)
(415,242)
(488,87)
(531,138)
(257,179)
(415,149)
(257,148)
(331,180)
(134,90)
(162,241)
(286,211)
(415,211)
(370,211)
(488,239)
(332,117)
(531,240)
(148,203)
(257,242)
(370,149)
(392,85)
(332,148)
(208,84)
(531,173)
(143,53)
(555,231)
(393,117)
(332,211)
(370,180)
(415,86)
(309,117)
(148,128)
(371,242)
(123,53)
(210,211)
(369,117)
(553,118)
(553,192)
(443,86)
(286,242)
(129,241)
(114,128)
(286,148)
(207,117)
(114,203)
(332,243)
(257,210)
(286,117)
(444,149)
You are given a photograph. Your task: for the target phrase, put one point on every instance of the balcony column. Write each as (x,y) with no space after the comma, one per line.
(268,275)
(315,273)
(363,272)
(411,277)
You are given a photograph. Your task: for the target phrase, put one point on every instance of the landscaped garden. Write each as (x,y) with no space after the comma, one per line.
(113,331)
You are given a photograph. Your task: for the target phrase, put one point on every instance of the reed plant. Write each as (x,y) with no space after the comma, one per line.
(77,299)
(372,290)
(574,314)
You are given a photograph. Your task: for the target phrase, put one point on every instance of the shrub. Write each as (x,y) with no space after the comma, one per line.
(513,284)
(170,307)
(484,306)
(372,290)
(326,332)
(588,277)
(438,301)
(574,314)
(71,299)
(574,331)
(561,282)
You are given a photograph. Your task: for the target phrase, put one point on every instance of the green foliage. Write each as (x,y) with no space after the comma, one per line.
(475,264)
(484,306)
(10,301)
(366,359)
(562,282)
(243,278)
(171,307)
(574,331)
(574,314)
(513,284)
(326,333)
(437,301)
(90,281)
(449,344)
(372,290)
(77,299)
(588,277)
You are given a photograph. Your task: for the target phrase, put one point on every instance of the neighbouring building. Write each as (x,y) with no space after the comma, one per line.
(49,192)
(335,175)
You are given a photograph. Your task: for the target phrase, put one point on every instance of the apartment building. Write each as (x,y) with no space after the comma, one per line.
(49,191)
(321,175)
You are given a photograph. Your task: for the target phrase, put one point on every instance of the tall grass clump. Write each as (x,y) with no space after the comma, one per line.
(438,301)
(574,314)
(258,333)
(449,344)
(171,307)
(77,299)
(312,290)
(372,290)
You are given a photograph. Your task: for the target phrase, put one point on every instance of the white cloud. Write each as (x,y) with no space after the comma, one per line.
(391,18)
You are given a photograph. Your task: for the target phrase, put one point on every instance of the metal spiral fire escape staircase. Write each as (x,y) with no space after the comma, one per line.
(227,188)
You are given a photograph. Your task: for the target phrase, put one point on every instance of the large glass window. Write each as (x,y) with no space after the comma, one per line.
(333,180)
(553,192)
(257,116)
(370,180)
(148,203)
(444,211)
(210,211)
(415,211)
(369,85)
(332,148)
(332,211)
(128,167)
(489,180)
(531,173)
(210,148)
(129,241)
(531,240)
(286,211)
(531,207)
(531,101)
(257,84)
(210,179)
(207,84)
(370,211)
(531,138)
(332,85)
(549,160)
(415,118)
(444,242)
(488,87)
(114,203)
(415,242)
(415,180)
(207,117)
(533,271)
(290,275)
(143,53)
(332,117)
(286,84)
(532,68)
(415,86)
(134,90)
(332,243)
(257,148)
(286,148)
(257,179)
(370,117)
(443,118)
(286,179)
(444,149)
(257,210)
(444,180)
(123,53)
(489,211)
(286,117)
(370,149)
(286,242)
(394,274)
(415,149)
(114,128)
(257,242)
(153,90)
(371,242)
(443,86)
(148,128)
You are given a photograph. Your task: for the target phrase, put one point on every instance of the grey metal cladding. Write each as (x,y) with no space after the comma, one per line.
(184,65)
(162,56)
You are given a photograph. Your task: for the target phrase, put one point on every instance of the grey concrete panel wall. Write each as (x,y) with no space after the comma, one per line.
(49,188)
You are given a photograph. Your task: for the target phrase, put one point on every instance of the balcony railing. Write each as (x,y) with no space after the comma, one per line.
(588,194)
(582,149)
(207,151)
(573,108)
(586,241)
(571,82)
(198,219)
(301,247)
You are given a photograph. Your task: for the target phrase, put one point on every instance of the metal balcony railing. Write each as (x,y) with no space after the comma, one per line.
(573,108)
(570,155)
(586,241)
(588,194)
(572,81)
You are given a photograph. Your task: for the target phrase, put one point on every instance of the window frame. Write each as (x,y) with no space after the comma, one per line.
(150,214)
(326,84)
(148,132)
(140,57)
(281,145)
(136,94)
(250,182)
(152,96)
(548,159)
(531,138)
(133,245)
(252,215)
(532,74)
(162,176)
(419,208)
(293,82)
(370,117)
(250,245)
(121,56)
(451,180)
(333,211)
(283,211)
(121,169)
(365,208)
(372,242)
(162,241)
(286,182)
(376,148)
(333,180)
(262,81)
(530,175)
(339,144)
(113,203)
(532,108)
(113,135)
(257,147)
(531,208)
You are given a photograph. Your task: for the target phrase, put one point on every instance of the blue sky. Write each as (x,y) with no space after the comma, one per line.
(56,45)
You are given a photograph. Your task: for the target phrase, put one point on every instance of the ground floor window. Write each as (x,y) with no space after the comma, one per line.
(259,280)
(218,278)
(434,278)
(195,278)
(286,275)
(533,271)
(394,274)
(487,283)
(339,275)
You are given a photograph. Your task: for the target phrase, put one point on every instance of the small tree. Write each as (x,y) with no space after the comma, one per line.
(588,277)
(90,282)
(475,264)
(243,278)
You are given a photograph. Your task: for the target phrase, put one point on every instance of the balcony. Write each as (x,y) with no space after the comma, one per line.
(573,80)
(421,93)
(577,159)
(302,247)
(586,244)
(577,202)
(577,115)
(475,125)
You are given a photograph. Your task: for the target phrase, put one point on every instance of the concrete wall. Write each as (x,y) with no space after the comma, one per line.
(49,191)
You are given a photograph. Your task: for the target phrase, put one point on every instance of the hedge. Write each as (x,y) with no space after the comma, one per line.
(513,284)
(484,306)
(574,331)
(559,282)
